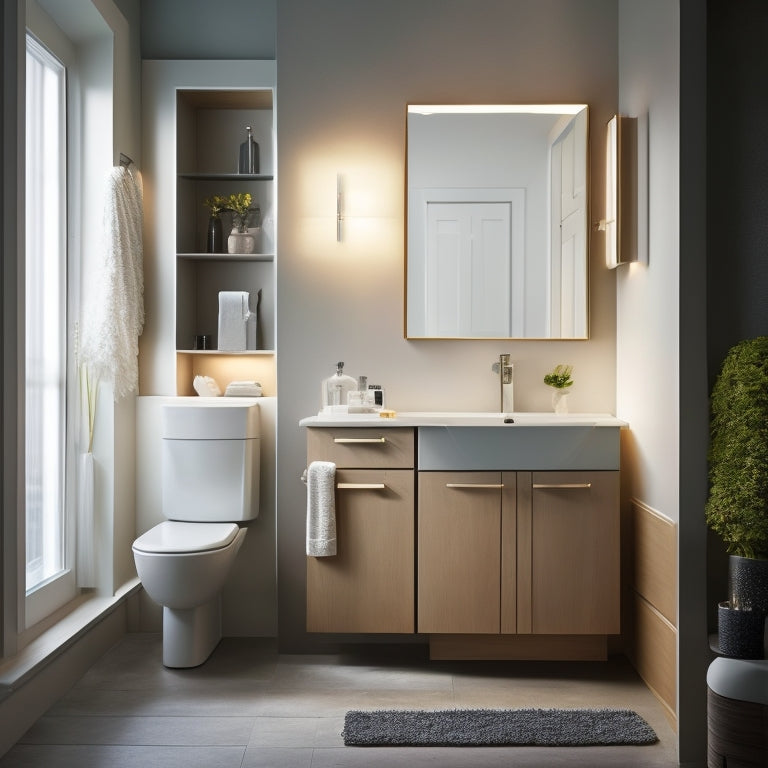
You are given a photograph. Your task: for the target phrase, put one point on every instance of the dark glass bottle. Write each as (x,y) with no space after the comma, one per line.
(215,238)
(249,154)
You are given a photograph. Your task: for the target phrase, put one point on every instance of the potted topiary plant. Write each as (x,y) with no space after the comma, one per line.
(737,507)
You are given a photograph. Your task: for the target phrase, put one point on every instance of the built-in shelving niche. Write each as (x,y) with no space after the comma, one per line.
(210,126)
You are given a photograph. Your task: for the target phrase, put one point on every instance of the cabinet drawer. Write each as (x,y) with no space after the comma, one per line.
(353,447)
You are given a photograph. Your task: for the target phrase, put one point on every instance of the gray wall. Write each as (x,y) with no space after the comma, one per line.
(737,170)
(204,29)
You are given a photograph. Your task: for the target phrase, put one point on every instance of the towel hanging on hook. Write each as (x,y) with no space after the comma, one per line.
(125,161)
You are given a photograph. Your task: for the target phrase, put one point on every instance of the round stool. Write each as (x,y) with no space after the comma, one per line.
(737,713)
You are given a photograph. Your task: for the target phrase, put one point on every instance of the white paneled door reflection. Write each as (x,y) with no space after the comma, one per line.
(469,269)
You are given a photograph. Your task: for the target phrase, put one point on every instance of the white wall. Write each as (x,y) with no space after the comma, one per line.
(647,327)
(346,70)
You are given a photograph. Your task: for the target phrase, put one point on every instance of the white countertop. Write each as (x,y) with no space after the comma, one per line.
(463,419)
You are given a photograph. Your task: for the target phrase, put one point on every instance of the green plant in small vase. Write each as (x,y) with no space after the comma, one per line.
(240,206)
(737,507)
(560,380)
(240,239)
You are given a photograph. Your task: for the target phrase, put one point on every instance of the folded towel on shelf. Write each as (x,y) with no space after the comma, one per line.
(321,509)
(233,316)
(243,389)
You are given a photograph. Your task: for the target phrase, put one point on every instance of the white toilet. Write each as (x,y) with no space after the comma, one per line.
(210,484)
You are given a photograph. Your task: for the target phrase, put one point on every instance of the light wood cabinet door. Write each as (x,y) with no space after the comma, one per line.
(368,586)
(573,554)
(459,541)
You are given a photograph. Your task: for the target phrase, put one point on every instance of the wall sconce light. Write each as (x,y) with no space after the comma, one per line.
(620,223)
(339,208)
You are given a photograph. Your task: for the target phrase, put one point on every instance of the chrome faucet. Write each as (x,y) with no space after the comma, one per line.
(505,369)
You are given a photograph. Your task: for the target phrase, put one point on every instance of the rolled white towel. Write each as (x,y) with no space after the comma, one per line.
(321,509)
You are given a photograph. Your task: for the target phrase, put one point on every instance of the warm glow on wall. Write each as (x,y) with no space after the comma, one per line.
(351,196)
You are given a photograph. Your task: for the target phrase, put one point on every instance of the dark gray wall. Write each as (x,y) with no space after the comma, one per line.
(737,169)
(202,29)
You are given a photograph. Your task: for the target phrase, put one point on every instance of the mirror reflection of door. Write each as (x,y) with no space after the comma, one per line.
(568,288)
(469,268)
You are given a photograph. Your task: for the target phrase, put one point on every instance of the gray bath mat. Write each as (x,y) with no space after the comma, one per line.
(496,727)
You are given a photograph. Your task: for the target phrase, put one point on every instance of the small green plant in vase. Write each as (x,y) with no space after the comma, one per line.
(240,206)
(240,239)
(560,380)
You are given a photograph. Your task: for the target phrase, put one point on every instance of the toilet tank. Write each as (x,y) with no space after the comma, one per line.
(211,461)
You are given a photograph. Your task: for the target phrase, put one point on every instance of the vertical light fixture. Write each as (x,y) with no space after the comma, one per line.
(620,223)
(339,208)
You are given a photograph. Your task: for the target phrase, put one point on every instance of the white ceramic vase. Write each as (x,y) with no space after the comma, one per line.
(241,242)
(560,400)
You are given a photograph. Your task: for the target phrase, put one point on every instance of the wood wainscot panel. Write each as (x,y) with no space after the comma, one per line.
(653,646)
(655,559)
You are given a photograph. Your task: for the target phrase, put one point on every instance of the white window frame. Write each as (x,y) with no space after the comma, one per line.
(59,589)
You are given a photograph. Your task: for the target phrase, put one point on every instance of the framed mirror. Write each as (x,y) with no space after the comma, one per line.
(497,222)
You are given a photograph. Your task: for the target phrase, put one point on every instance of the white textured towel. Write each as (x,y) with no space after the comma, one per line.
(321,509)
(233,315)
(113,314)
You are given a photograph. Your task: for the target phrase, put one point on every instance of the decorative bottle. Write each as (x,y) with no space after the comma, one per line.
(335,388)
(249,154)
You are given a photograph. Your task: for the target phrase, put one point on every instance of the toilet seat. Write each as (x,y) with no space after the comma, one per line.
(175,537)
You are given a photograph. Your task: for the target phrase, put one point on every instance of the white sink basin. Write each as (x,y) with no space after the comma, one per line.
(467,419)
(523,419)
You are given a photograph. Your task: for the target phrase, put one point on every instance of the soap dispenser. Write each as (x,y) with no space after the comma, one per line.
(335,388)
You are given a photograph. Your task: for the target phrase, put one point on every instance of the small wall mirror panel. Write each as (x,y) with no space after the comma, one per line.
(497,235)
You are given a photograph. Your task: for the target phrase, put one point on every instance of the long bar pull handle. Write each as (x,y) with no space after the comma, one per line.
(474,485)
(358,440)
(360,486)
(562,485)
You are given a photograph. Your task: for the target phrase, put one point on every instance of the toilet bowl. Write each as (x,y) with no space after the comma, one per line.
(183,567)
(210,484)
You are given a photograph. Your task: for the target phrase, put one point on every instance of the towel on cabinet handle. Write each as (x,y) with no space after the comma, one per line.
(321,509)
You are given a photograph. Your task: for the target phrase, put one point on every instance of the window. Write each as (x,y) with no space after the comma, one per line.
(46,349)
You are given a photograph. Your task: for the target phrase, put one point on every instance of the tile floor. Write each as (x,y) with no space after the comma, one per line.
(249,707)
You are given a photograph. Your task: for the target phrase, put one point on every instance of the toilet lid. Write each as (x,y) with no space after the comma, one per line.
(176,537)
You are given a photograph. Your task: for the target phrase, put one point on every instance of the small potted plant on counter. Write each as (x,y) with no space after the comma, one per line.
(737,507)
(560,380)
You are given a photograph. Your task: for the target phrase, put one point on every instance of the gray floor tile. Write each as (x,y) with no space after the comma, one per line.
(158,731)
(249,707)
(277,757)
(33,756)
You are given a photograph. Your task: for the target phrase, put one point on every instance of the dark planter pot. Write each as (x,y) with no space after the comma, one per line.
(740,633)
(748,583)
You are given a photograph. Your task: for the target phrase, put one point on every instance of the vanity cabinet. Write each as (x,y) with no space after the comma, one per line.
(509,550)
(368,586)
(533,553)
